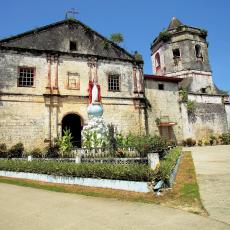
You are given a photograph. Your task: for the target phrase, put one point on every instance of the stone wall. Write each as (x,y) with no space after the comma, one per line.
(163,103)
(227,109)
(31,116)
(23,120)
(208,118)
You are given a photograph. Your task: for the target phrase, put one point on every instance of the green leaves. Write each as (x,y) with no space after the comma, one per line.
(131,172)
(65,143)
(117,38)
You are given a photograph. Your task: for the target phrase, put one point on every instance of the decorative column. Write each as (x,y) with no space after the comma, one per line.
(95,77)
(90,65)
(135,78)
(55,88)
(48,86)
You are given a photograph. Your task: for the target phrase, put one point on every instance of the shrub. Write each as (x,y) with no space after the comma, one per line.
(191,107)
(189,142)
(16,151)
(167,165)
(3,150)
(144,144)
(65,143)
(225,138)
(131,172)
(52,151)
(36,153)
(184,143)
(200,142)
(212,140)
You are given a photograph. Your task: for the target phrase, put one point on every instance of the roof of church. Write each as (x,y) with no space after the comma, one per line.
(174,23)
(52,37)
(162,78)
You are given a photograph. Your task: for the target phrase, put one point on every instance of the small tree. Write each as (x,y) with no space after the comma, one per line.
(138,56)
(117,38)
(65,143)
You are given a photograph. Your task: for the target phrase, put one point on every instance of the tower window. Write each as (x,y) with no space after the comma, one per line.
(198,51)
(161,86)
(157,60)
(176,53)
(203,90)
(113,83)
(72,46)
(26,77)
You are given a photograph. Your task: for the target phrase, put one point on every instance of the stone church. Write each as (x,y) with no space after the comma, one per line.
(45,76)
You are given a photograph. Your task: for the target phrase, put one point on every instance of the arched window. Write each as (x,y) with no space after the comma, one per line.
(198,51)
(157,60)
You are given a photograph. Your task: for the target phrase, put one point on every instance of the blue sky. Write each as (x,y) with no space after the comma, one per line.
(139,21)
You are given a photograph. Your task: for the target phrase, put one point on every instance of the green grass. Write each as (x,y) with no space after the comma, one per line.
(190,190)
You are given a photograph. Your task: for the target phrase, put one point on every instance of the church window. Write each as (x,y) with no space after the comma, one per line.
(161,86)
(26,77)
(114,83)
(176,53)
(73,46)
(198,51)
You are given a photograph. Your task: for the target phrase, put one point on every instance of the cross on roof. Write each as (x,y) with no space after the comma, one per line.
(71,13)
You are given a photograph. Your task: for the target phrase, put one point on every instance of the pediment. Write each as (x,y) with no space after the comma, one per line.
(57,37)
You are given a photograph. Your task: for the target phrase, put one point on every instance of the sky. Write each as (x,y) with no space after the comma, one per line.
(140,21)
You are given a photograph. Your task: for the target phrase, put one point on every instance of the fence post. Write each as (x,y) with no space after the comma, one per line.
(78,159)
(77,155)
(29,158)
(153,160)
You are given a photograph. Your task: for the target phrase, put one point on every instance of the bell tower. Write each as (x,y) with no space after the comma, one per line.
(182,51)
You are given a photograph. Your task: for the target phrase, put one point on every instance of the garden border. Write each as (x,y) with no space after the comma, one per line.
(134,186)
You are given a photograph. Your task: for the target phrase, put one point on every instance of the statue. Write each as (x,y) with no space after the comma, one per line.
(94,92)
(96,125)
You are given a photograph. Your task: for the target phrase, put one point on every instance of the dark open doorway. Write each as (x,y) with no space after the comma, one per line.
(73,123)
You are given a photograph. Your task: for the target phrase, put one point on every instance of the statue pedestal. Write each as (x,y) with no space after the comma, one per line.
(94,135)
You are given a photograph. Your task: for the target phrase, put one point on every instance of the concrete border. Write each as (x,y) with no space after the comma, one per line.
(134,186)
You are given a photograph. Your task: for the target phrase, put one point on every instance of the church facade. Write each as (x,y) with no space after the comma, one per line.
(46,73)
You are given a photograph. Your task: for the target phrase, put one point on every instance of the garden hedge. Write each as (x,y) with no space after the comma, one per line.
(131,172)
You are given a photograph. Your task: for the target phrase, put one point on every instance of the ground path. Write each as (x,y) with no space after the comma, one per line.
(212,164)
(27,208)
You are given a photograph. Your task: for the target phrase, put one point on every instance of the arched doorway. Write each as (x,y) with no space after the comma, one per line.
(73,123)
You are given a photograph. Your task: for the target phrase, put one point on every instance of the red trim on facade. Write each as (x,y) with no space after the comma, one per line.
(162,78)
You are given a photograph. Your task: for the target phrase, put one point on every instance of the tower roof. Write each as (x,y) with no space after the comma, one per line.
(174,23)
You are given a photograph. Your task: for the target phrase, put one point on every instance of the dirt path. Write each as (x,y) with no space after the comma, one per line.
(212,166)
(27,208)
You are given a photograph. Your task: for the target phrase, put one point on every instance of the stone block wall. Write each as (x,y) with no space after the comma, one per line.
(30,116)
(23,120)
(163,103)
(208,118)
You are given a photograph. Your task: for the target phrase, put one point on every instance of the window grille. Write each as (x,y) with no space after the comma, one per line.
(114,83)
(26,77)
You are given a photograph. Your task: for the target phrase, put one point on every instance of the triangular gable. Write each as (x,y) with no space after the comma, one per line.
(57,37)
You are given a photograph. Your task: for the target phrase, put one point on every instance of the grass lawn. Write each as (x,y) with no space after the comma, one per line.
(184,195)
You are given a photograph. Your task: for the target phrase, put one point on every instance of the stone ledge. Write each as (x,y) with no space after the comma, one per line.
(134,186)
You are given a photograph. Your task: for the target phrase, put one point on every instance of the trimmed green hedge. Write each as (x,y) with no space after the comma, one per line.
(131,172)
(167,164)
